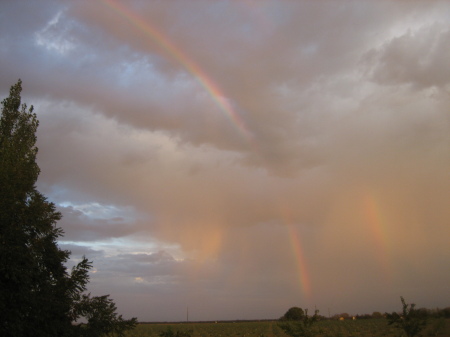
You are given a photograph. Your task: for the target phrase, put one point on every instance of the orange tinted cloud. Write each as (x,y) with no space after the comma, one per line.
(337,200)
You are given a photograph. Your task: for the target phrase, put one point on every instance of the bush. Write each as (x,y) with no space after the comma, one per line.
(301,327)
(410,320)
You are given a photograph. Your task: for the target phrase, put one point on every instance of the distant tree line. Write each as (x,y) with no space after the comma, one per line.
(296,322)
(422,312)
(295,313)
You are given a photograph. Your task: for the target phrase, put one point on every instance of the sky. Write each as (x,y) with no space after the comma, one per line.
(237,158)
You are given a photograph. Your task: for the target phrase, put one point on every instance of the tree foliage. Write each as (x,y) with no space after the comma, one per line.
(377,314)
(293,314)
(299,327)
(411,321)
(101,316)
(38,296)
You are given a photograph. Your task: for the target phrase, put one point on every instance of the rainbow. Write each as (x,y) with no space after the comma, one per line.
(165,43)
(297,247)
(378,228)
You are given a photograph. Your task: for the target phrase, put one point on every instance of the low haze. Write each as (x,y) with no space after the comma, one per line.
(238,158)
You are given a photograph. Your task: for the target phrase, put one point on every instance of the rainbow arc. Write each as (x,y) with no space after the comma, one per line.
(211,87)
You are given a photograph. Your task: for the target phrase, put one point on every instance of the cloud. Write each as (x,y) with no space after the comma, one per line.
(417,57)
(79,226)
(328,186)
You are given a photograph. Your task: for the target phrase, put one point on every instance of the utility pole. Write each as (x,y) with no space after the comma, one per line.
(187,314)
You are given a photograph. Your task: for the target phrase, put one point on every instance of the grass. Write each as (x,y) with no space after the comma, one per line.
(437,327)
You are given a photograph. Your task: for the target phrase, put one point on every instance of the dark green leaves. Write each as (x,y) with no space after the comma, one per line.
(38,297)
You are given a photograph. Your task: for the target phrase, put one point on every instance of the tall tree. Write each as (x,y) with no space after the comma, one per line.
(38,296)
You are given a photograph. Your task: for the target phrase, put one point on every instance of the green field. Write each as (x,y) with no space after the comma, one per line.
(439,327)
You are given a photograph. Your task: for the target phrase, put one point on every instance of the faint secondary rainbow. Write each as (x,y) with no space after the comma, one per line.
(378,228)
(163,41)
(297,248)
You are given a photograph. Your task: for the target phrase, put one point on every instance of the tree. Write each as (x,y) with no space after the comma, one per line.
(377,314)
(293,314)
(101,316)
(410,320)
(301,327)
(38,296)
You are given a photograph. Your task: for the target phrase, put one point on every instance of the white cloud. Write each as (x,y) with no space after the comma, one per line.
(54,36)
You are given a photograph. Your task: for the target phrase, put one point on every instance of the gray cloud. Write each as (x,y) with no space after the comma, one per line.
(417,57)
(78,226)
(329,187)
